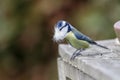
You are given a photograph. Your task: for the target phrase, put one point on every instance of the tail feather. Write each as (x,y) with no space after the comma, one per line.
(101,46)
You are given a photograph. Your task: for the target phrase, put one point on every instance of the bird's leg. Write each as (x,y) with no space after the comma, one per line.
(73,55)
(76,53)
(80,50)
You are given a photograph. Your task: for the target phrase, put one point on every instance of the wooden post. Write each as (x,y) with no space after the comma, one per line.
(95,63)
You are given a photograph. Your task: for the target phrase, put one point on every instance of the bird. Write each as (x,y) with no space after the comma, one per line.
(78,40)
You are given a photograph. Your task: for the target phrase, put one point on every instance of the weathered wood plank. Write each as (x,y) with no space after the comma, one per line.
(71,72)
(105,67)
(76,74)
(61,71)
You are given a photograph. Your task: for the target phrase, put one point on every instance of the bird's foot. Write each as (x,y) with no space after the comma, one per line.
(76,53)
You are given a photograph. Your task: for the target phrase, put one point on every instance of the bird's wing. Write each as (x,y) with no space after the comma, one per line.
(81,36)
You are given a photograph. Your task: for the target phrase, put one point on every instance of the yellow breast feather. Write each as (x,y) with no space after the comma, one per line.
(76,43)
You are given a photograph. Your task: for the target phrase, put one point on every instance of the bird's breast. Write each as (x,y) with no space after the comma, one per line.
(76,43)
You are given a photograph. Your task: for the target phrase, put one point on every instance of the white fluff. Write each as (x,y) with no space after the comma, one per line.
(59,35)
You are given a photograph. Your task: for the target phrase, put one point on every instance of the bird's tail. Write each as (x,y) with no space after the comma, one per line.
(101,46)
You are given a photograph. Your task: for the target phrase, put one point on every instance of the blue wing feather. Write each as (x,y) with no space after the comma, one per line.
(81,36)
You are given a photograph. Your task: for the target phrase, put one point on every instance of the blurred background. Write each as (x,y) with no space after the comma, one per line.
(27,51)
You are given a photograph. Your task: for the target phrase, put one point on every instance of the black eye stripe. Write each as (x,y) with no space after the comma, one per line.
(63,26)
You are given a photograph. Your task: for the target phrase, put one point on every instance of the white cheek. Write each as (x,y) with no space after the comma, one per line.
(64,31)
(59,35)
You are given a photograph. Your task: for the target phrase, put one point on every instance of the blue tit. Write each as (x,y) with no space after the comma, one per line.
(64,30)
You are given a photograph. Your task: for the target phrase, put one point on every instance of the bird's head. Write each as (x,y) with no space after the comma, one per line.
(60,30)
